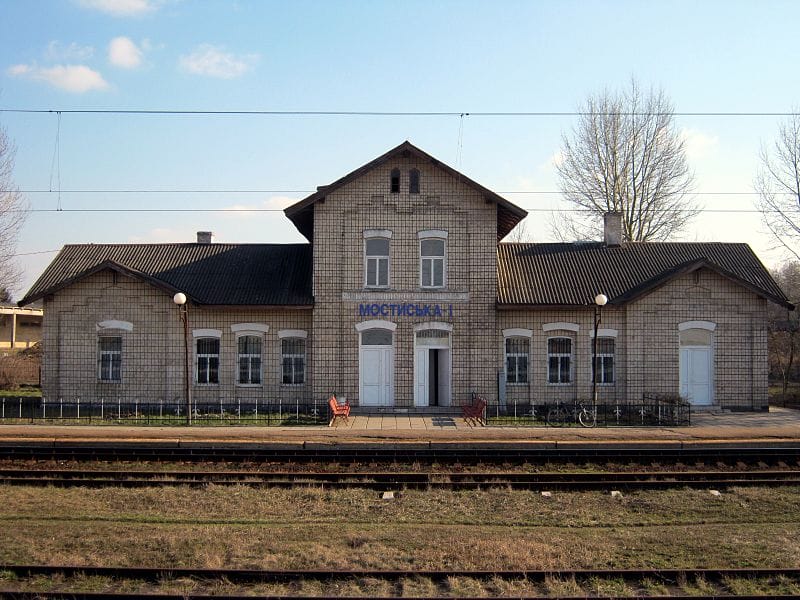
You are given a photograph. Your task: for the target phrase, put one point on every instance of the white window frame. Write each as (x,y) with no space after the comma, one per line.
(250,356)
(110,354)
(433,234)
(516,357)
(598,369)
(206,334)
(288,335)
(372,234)
(561,355)
(526,334)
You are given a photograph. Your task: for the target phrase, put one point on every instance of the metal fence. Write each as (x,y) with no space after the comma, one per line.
(256,412)
(648,413)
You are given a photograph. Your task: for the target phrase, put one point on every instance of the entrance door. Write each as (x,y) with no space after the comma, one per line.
(695,366)
(376,368)
(432,368)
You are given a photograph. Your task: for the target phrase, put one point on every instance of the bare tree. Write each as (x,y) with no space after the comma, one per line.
(13,211)
(783,328)
(778,185)
(520,233)
(626,155)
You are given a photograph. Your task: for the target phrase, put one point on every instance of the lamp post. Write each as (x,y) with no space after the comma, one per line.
(599,302)
(180,300)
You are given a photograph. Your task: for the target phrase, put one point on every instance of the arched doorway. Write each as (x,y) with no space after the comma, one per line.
(697,362)
(376,363)
(432,365)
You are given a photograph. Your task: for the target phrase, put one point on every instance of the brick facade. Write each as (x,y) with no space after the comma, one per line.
(437,344)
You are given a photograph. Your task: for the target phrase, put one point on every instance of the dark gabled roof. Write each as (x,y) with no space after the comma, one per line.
(573,274)
(302,213)
(214,274)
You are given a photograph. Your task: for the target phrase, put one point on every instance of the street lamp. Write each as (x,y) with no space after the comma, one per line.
(183,309)
(599,302)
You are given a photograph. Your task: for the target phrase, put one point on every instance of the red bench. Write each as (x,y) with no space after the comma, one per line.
(338,410)
(474,412)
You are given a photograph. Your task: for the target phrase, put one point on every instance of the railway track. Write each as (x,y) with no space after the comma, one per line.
(398,453)
(671,580)
(384,481)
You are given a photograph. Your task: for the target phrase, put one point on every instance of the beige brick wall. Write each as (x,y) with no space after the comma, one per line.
(739,348)
(443,203)
(153,352)
(647,349)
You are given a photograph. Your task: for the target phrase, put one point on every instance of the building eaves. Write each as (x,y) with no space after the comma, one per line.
(539,275)
(211,274)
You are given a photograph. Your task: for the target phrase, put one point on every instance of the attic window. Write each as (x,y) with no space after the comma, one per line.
(413,181)
(395,181)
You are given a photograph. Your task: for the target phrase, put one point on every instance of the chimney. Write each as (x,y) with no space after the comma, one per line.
(612,229)
(204,237)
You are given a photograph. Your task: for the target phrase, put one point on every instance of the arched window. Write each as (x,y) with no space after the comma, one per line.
(559,360)
(432,258)
(395,181)
(604,360)
(376,258)
(249,355)
(413,181)
(207,356)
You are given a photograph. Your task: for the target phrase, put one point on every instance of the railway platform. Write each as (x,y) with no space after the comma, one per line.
(776,427)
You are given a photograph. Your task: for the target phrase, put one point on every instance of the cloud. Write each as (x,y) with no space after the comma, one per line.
(238,211)
(121,8)
(213,61)
(697,143)
(56,51)
(123,53)
(71,78)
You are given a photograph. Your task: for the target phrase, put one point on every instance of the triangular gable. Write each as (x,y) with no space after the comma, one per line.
(103,266)
(684,269)
(302,212)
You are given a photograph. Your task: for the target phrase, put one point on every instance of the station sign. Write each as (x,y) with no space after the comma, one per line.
(408,309)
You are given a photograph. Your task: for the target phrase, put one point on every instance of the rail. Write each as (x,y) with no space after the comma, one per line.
(383,481)
(424,453)
(673,580)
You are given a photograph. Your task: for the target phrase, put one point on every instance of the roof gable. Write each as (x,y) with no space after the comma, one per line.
(302,212)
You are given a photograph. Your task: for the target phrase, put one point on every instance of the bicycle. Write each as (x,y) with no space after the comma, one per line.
(558,416)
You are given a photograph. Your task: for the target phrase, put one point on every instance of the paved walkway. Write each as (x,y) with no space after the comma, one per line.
(776,425)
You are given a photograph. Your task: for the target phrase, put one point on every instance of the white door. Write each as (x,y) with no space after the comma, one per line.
(421,375)
(376,366)
(444,378)
(695,368)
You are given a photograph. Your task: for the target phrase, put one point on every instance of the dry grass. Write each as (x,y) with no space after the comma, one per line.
(241,527)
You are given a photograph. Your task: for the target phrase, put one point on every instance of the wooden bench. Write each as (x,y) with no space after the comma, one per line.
(338,410)
(473,412)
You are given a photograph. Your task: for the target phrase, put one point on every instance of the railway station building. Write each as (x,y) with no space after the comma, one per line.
(405,298)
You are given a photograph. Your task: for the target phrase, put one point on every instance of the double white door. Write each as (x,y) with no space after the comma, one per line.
(696,376)
(376,365)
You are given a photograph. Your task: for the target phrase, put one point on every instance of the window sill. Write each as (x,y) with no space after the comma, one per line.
(569,384)
(292,385)
(110,381)
(249,385)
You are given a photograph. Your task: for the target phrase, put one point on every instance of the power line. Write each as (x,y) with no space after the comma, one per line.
(280,210)
(379,113)
(259,191)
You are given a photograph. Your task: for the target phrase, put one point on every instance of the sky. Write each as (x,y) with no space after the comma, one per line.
(136,178)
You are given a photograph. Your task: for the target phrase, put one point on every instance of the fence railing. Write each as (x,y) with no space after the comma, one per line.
(648,413)
(239,412)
